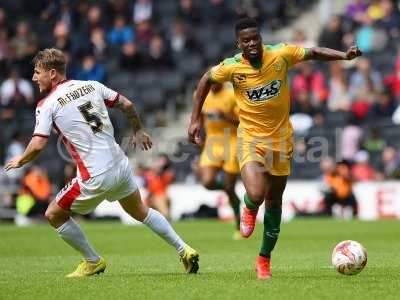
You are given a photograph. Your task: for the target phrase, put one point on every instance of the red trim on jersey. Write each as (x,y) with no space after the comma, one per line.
(111,103)
(41,135)
(66,200)
(41,102)
(74,154)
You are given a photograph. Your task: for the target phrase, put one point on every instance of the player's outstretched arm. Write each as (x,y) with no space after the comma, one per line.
(196,120)
(327,54)
(35,146)
(128,109)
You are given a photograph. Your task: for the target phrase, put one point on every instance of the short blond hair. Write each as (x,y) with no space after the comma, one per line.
(50,58)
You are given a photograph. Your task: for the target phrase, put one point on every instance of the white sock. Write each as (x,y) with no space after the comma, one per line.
(156,222)
(73,235)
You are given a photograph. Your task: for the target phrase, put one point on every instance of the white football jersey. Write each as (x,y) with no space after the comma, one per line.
(77,110)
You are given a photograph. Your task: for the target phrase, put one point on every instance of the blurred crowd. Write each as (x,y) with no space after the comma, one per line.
(361,98)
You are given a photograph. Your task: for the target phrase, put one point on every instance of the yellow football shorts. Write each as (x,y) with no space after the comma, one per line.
(275,162)
(220,153)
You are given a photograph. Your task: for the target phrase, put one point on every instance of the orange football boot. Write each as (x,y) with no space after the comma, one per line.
(248,222)
(263,268)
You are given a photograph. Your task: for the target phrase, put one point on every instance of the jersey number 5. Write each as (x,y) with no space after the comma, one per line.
(92,118)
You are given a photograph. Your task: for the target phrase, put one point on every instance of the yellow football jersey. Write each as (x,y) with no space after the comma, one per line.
(224,100)
(262,94)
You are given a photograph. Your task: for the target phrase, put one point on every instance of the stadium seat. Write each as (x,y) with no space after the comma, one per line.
(336,119)
(171,81)
(191,65)
(152,99)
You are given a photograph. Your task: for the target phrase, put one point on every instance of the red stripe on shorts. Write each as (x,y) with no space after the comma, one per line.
(66,200)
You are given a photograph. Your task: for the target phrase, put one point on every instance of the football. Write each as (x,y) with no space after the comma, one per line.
(349,257)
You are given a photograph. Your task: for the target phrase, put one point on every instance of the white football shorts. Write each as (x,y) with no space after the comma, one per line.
(83,196)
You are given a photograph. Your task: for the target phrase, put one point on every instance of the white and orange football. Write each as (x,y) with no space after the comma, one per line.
(349,257)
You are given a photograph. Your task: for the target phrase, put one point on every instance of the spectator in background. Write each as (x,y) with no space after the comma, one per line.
(217,10)
(94,19)
(332,35)
(37,183)
(373,141)
(356,10)
(49,10)
(65,13)
(369,37)
(390,163)
(350,141)
(23,43)
(365,84)
(37,187)
(361,169)
(158,179)
(338,99)
(144,32)
(131,58)
(340,191)
(81,9)
(16,93)
(249,8)
(3,20)
(180,39)
(98,44)
(120,33)
(62,39)
(304,113)
(390,20)
(375,10)
(189,12)
(383,107)
(159,56)
(117,8)
(311,81)
(142,11)
(91,70)
(23,46)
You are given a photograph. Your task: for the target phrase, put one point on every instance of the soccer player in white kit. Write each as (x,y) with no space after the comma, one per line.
(77,110)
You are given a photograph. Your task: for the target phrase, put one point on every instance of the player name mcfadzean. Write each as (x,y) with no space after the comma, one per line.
(75,94)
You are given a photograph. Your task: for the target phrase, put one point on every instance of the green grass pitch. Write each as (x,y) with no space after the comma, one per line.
(34,261)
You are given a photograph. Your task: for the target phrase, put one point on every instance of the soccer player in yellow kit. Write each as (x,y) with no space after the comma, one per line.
(259,77)
(220,113)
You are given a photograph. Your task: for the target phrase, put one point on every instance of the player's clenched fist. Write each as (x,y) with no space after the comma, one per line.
(353,52)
